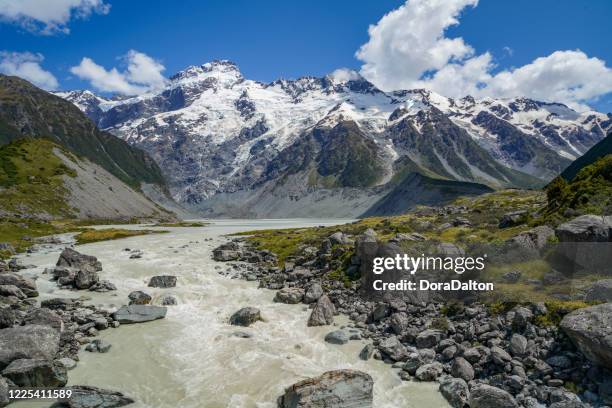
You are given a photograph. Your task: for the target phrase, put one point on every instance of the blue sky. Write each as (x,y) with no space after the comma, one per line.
(272,39)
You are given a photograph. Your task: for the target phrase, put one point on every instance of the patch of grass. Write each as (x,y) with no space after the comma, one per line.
(558,309)
(21,233)
(96,235)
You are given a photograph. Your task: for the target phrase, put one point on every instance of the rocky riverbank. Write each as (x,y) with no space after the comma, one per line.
(482,355)
(40,341)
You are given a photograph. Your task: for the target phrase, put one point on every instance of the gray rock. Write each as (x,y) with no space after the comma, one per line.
(245,316)
(313,293)
(461,368)
(99,346)
(4,392)
(85,278)
(338,238)
(416,359)
(392,347)
(139,313)
(586,228)
(36,373)
(591,331)
(26,285)
(84,396)
(518,345)
(139,297)
(68,363)
(534,239)
(7,318)
(323,312)
(399,322)
(28,342)
(456,391)
(338,337)
(486,396)
(45,317)
(500,356)
(225,255)
(169,300)
(103,286)
(600,291)
(69,258)
(290,296)
(163,281)
(428,338)
(512,218)
(429,372)
(337,389)
(366,352)
(511,277)
(12,290)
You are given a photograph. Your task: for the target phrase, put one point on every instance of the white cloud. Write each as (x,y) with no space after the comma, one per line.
(408,48)
(27,66)
(142,74)
(344,75)
(49,16)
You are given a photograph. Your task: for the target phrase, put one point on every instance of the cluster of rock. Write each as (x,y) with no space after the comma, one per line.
(79,271)
(39,343)
(480,359)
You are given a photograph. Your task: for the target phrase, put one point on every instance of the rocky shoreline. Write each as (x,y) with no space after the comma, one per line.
(40,342)
(480,358)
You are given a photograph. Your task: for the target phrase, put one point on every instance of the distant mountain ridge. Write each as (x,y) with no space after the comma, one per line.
(219,136)
(601,149)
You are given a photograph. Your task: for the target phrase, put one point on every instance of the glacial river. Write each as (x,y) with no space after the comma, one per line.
(190,358)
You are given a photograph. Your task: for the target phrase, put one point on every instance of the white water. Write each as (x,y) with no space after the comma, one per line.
(189,359)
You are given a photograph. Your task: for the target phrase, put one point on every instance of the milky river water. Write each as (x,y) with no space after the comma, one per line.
(190,358)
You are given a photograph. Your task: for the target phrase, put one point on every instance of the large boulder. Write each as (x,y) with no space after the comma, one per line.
(290,296)
(85,396)
(487,396)
(337,389)
(85,278)
(313,293)
(512,218)
(393,348)
(26,285)
(338,238)
(163,281)
(245,316)
(323,312)
(30,341)
(456,391)
(139,313)
(461,368)
(534,239)
(591,331)
(429,372)
(586,228)
(600,291)
(36,373)
(45,317)
(69,258)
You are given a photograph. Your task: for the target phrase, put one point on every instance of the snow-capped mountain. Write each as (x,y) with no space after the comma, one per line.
(222,140)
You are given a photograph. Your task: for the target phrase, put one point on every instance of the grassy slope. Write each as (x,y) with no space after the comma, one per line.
(596,152)
(27,111)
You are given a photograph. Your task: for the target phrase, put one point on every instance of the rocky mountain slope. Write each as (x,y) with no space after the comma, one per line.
(596,152)
(27,111)
(221,138)
(40,179)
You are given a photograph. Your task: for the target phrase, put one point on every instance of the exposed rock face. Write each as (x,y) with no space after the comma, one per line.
(84,396)
(600,291)
(36,373)
(163,281)
(591,330)
(29,342)
(69,258)
(45,317)
(338,389)
(323,312)
(139,314)
(245,316)
(486,396)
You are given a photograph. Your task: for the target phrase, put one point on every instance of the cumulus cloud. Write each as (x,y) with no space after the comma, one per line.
(49,16)
(344,75)
(27,66)
(409,48)
(142,74)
